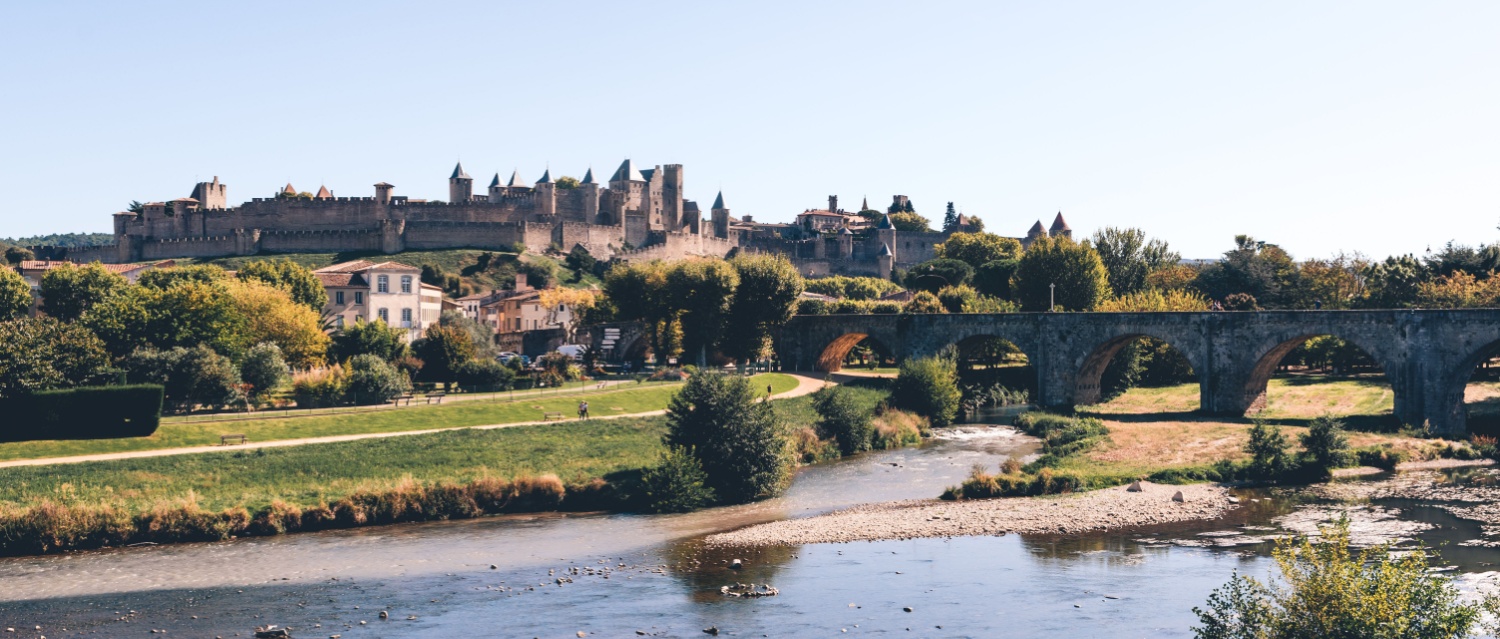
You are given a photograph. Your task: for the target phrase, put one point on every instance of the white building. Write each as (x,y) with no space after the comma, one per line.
(365,291)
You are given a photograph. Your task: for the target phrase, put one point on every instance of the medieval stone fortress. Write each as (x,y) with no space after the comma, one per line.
(639,214)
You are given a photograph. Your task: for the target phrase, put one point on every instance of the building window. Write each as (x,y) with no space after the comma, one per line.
(406,317)
(385,316)
(338,298)
(339,321)
(405,283)
(383,284)
(359,298)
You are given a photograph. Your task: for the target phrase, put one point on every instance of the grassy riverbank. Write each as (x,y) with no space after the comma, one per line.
(628,400)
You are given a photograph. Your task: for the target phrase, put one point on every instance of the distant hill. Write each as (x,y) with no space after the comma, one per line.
(71,240)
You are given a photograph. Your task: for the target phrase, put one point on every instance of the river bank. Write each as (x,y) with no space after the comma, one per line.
(1095,511)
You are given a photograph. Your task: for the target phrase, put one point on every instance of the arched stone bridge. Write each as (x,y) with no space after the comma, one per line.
(1428,356)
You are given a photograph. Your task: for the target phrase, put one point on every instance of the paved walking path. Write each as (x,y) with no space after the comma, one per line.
(806,384)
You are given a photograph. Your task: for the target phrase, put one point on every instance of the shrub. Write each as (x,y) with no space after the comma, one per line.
(190,376)
(924,303)
(1267,448)
(1379,457)
(885,308)
(485,374)
(82,413)
(739,440)
(956,298)
(1061,436)
(1327,591)
(319,388)
(849,307)
(1326,443)
(677,484)
(264,369)
(372,380)
(841,419)
(812,307)
(368,338)
(928,386)
(897,429)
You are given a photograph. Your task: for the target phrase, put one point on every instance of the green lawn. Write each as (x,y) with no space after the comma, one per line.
(452,415)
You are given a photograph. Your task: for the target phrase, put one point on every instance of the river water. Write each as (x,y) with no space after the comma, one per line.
(557,575)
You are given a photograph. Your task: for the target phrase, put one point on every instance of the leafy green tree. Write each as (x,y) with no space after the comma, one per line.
(1074,267)
(368,338)
(854,288)
(764,300)
(264,369)
(191,377)
(1326,443)
(739,441)
(842,419)
(1394,282)
(1327,591)
(580,261)
(950,220)
(168,277)
(443,351)
(567,182)
(486,374)
(482,336)
(993,278)
(958,299)
(188,314)
(924,303)
(978,249)
(935,274)
(297,280)
(69,290)
(1129,257)
(17,254)
(1267,448)
(41,353)
(372,380)
(703,289)
(910,222)
(676,484)
(928,386)
(1254,268)
(15,295)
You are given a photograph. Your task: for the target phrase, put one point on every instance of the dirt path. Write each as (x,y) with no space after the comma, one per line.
(806,385)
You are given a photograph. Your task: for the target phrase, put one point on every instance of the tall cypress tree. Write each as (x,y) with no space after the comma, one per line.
(950,219)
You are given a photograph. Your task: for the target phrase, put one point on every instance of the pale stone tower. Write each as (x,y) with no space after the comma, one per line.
(497,189)
(383,193)
(720,215)
(886,261)
(671,195)
(846,243)
(886,233)
(590,198)
(460,185)
(546,193)
(211,195)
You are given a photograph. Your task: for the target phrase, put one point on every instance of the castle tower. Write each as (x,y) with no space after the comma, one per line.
(323,193)
(673,217)
(211,195)
(885,231)
(846,243)
(590,190)
(720,215)
(460,185)
(833,204)
(628,187)
(546,192)
(383,193)
(886,261)
(497,190)
(1059,227)
(1036,233)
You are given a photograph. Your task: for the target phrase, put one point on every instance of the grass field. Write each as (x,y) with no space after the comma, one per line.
(452,415)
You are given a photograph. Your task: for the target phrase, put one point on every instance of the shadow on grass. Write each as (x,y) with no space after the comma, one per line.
(1361,423)
(1363,379)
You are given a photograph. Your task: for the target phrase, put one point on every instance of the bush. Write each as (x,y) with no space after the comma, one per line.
(1061,436)
(191,376)
(957,298)
(1267,448)
(485,374)
(372,380)
(1383,458)
(812,307)
(924,303)
(841,419)
(739,440)
(849,307)
(319,388)
(104,412)
(368,338)
(1326,443)
(897,429)
(1328,592)
(264,369)
(885,308)
(928,386)
(677,484)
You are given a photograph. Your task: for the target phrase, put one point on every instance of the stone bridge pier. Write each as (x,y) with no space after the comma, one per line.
(1428,356)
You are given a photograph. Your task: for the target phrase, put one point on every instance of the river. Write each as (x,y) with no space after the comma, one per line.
(612,575)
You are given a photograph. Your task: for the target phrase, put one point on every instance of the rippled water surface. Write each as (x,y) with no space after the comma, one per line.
(620,575)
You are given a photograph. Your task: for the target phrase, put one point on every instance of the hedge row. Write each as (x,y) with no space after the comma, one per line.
(104,412)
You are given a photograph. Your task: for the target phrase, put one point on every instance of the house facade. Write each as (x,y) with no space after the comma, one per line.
(392,292)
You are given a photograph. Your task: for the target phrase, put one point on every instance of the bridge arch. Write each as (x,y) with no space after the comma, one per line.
(831,358)
(1452,399)
(1272,352)
(1088,388)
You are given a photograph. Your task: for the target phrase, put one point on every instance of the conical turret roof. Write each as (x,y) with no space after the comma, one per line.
(588,178)
(515,180)
(719,201)
(627,172)
(458,173)
(885,250)
(1059,224)
(1037,229)
(546,177)
(289,190)
(885,221)
(324,193)
(495,182)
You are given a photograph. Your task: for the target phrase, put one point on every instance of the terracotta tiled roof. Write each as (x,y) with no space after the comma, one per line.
(898,296)
(342,279)
(47,265)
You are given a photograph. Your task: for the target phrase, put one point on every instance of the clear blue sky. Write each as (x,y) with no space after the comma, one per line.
(1371,126)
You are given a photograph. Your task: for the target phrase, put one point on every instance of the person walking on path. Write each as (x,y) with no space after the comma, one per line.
(583,410)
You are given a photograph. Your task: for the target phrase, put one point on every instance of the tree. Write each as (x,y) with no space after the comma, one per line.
(264,369)
(17,254)
(567,307)
(443,351)
(567,182)
(1394,282)
(187,314)
(372,380)
(1155,301)
(1267,448)
(950,220)
(910,222)
(368,338)
(41,353)
(1337,282)
(1459,289)
(842,419)
(924,303)
(191,377)
(928,386)
(486,374)
(1255,268)
(739,441)
(1328,591)
(297,280)
(703,290)
(580,261)
(69,290)
(15,295)
(1326,443)
(1081,280)
(270,315)
(935,274)
(1172,278)
(481,335)
(764,300)
(993,278)
(676,484)
(977,249)
(1129,257)
(958,299)
(854,288)
(167,277)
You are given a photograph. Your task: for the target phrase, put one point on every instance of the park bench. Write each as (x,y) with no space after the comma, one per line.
(436,398)
(551,416)
(224,439)
(396,401)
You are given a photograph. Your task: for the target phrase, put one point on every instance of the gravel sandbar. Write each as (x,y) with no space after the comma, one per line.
(1106,509)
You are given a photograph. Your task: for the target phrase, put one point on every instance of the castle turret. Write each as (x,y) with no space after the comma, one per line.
(1035,233)
(846,243)
(673,217)
(886,261)
(211,195)
(1059,227)
(383,193)
(497,190)
(546,192)
(720,215)
(885,231)
(590,190)
(323,193)
(460,185)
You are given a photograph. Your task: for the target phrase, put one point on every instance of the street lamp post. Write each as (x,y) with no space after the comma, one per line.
(1051,297)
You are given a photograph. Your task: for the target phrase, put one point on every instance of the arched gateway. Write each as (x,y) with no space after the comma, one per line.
(1427,355)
